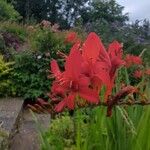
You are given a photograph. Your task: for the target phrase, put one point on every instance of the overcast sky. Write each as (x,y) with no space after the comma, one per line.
(138,9)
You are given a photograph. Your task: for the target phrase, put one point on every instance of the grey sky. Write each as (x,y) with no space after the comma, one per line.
(138,9)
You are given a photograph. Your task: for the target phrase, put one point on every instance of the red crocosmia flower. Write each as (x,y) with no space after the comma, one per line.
(96,61)
(91,48)
(147,72)
(138,74)
(131,60)
(87,69)
(74,82)
(55,69)
(71,38)
(99,64)
(115,53)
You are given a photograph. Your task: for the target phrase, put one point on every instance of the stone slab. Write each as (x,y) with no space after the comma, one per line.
(27,136)
(9,110)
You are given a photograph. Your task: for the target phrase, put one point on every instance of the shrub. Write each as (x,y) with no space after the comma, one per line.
(29,74)
(7,12)
(12,37)
(15,29)
(44,40)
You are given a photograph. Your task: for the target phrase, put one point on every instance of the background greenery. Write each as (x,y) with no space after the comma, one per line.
(31,45)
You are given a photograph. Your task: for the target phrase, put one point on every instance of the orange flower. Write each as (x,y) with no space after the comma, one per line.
(131,60)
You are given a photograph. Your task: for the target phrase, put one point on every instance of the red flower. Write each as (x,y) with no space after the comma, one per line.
(131,60)
(55,69)
(138,73)
(147,72)
(115,53)
(86,71)
(71,37)
(99,64)
(96,61)
(73,82)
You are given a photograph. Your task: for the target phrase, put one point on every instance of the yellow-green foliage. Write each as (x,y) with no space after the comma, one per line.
(4,67)
(5,70)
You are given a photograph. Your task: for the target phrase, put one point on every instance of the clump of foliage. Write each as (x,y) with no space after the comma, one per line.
(12,37)
(15,29)
(45,40)
(62,129)
(7,12)
(5,74)
(30,74)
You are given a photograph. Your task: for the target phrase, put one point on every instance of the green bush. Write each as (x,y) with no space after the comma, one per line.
(7,12)
(12,37)
(44,40)
(14,28)
(30,76)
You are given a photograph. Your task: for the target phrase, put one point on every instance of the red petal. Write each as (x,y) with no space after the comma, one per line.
(70,101)
(59,107)
(115,52)
(71,37)
(84,81)
(147,71)
(116,63)
(91,47)
(115,49)
(89,95)
(103,75)
(57,88)
(55,68)
(73,63)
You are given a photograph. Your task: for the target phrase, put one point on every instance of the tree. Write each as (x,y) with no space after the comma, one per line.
(30,9)
(106,18)
(63,12)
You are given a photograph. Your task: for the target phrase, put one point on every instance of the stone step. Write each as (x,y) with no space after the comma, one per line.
(27,136)
(9,110)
